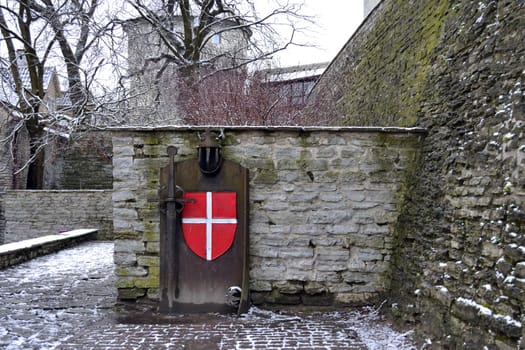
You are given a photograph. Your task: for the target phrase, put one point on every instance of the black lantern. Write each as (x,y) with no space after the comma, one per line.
(210,158)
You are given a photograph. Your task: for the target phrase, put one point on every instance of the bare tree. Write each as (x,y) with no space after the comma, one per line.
(38,34)
(237,97)
(187,27)
(194,39)
(189,40)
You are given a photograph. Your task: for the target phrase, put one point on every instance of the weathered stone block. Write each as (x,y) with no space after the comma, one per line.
(343,228)
(122,163)
(295,252)
(264,251)
(441,294)
(325,152)
(366,241)
(153,294)
(331,217)
(260,286)
(131,271)
(151,236)
(313,288)
(265,176)
(289,287)
(359,277)
(301,197)
(123,151)
(153,247)
(124,259)
(514,252)
(148,260)
(492,251)
(128,246)
(330,266)
(267,272)
(520,270)
(331,197)
(125,282)
(130,293)
(366,254)
(297,274)
(374,230)
(331,254)
(125,213)
(150,281)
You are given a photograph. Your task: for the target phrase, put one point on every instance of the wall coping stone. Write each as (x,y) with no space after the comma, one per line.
(59,191)
(18,252)
(375,129)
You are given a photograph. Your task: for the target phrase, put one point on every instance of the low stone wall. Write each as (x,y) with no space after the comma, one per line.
(31,214)
(322,205)
(18,252)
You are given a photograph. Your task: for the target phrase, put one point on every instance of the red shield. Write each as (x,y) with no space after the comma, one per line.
(209,222)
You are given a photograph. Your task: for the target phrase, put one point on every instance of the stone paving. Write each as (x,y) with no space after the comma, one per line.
(67,301)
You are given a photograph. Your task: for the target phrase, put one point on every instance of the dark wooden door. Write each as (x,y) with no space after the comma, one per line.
(189,282)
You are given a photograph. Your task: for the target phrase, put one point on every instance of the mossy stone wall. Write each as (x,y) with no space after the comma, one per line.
(456,68)
(382,72)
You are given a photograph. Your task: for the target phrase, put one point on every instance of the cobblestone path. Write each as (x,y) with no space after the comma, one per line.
(67,301)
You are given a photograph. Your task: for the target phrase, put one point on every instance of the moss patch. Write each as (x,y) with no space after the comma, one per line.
(390,75)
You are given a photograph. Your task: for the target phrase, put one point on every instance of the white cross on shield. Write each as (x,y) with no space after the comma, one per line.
(209,222)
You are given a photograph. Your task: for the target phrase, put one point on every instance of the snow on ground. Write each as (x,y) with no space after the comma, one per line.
(45,300)
(367,322)
(68,298)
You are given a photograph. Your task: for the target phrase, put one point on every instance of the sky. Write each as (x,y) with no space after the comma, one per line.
(336,22)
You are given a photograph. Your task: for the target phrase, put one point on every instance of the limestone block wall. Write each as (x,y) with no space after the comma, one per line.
(323,203)
(32,214)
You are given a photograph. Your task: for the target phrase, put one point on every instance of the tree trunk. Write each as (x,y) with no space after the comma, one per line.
(35,175)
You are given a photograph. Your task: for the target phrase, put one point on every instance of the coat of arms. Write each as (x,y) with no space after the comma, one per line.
(209,222)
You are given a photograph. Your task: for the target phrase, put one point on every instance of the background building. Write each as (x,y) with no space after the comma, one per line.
(154,79)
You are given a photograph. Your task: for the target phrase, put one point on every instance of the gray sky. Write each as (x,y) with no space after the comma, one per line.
(337,20)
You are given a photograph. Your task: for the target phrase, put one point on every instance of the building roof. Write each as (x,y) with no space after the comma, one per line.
(7,85)
(286,74)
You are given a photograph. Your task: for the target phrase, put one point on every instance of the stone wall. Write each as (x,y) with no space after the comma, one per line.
(14,151)
(380,75)
(457,69)
(31,214)
(21,251)
(6,173)
(323,203)
(82,163)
